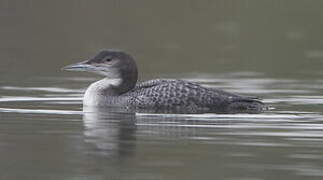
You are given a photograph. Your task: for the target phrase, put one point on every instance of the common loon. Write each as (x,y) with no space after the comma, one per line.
(120,88)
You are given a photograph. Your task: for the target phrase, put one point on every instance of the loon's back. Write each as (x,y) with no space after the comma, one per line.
(183,96)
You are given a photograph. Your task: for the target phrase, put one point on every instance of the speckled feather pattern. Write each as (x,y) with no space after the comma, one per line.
(184,96)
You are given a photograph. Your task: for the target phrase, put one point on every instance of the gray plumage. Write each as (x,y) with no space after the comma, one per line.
(183,96)
(159,95)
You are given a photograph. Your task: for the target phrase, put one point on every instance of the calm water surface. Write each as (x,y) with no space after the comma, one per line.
(46,135)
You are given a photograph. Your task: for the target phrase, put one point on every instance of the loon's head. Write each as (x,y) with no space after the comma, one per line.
(111,63)
(114,64)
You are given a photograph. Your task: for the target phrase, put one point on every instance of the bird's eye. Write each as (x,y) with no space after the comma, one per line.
(108,59)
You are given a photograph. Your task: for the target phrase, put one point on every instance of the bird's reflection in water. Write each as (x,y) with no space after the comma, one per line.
(114,131)
(110,131)
(118,141)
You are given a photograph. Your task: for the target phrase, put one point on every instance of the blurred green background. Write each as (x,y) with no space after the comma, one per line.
(276,37)
(267,48)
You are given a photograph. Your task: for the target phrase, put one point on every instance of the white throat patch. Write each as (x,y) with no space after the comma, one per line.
(114,82)
(93,95)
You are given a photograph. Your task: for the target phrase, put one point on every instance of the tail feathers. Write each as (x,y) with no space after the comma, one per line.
(246,105)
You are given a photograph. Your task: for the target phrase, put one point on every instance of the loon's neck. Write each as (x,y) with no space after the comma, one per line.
(98,92)
(106,92)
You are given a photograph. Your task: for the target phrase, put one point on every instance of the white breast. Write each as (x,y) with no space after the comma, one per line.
(97,93)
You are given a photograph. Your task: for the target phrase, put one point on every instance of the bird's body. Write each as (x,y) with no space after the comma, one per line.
(185,96)
(119,88)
